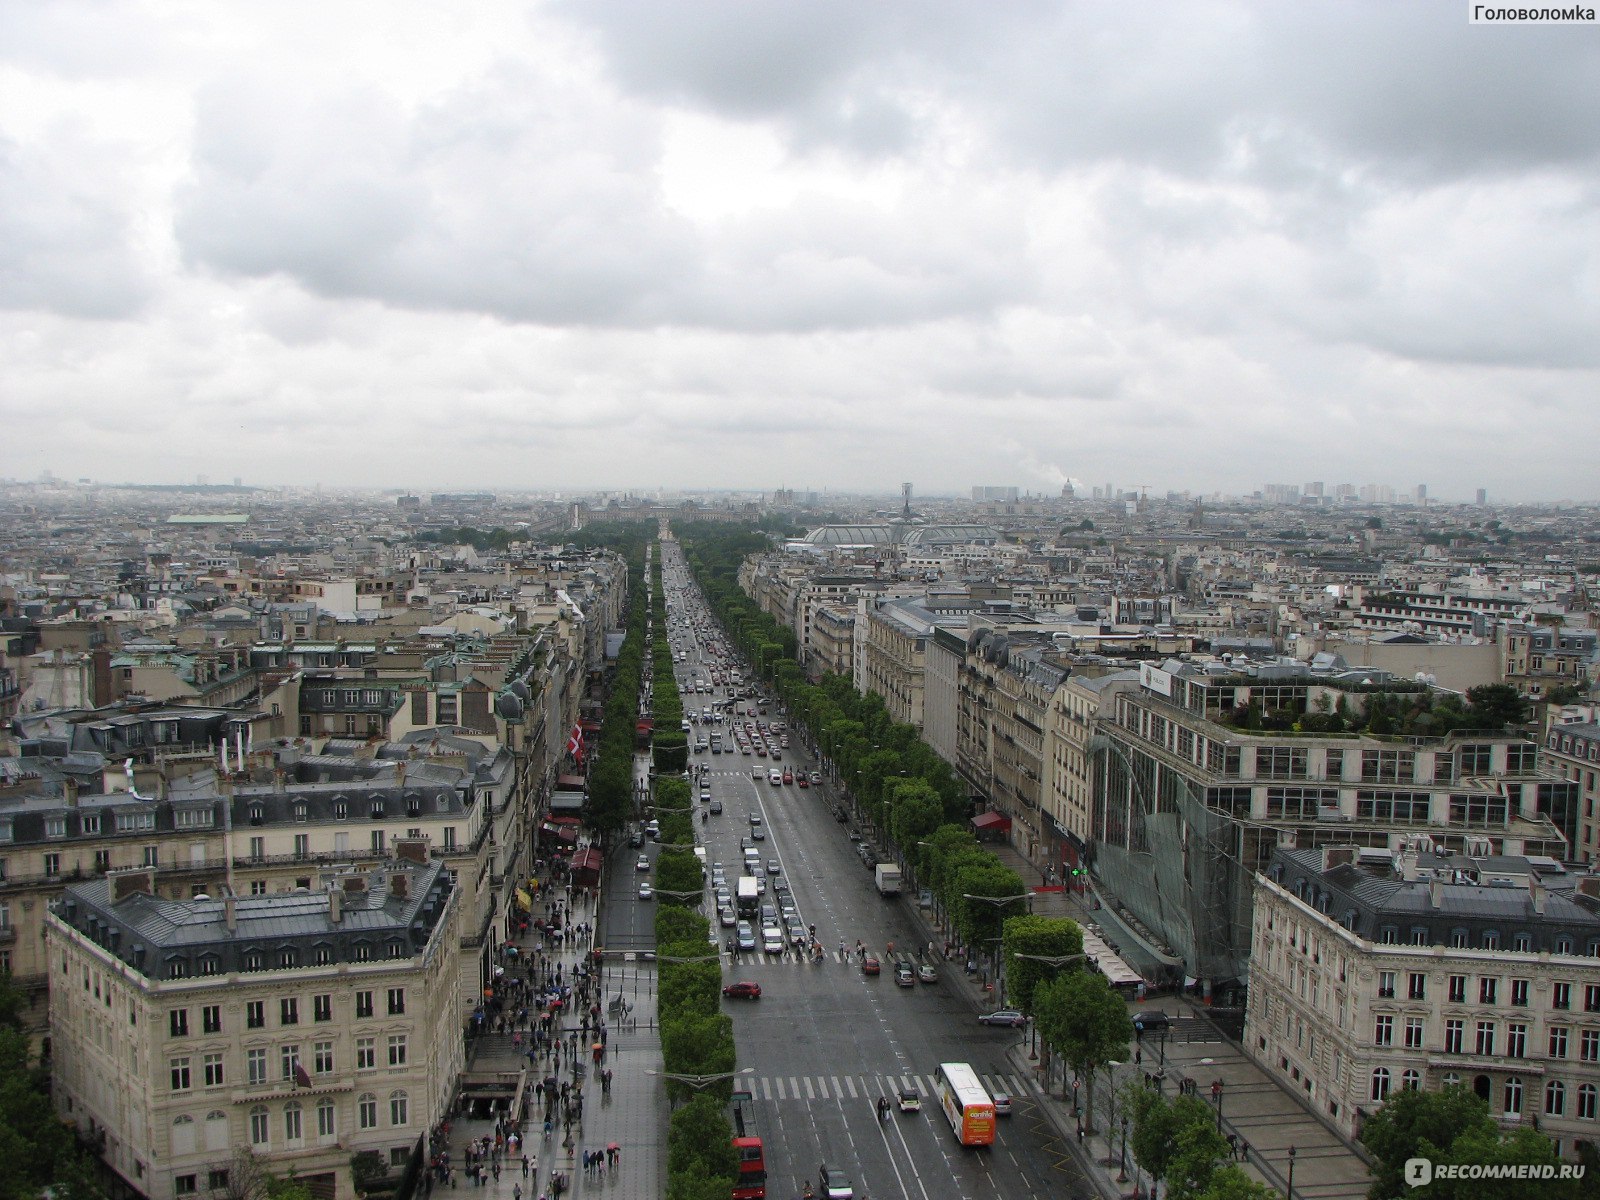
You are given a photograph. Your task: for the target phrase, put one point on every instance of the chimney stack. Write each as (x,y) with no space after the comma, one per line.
(335,905)
(132,883)
(1537,893)
(230,913)
(412,850)
(69,792)
(1435,893)
(399,885)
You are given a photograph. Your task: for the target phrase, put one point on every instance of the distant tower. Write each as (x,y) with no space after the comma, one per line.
(905,497)
(1483,496)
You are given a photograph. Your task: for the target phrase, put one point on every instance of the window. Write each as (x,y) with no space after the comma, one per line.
(289,1011)
(302,845)
(1591,997)
(341,810)
(217,1179)
(1491,939)
(1589,1045)
(367,1111)
(322,1007)
(1587,1097)
(255,1014)
(1380,1085)
(366,1054)
(52,864)
(1517,1040)
(1417,986)
(151,856)
(213,1070)
(325,1122)
(397,1050)
(288,1060)
(55,827)
(1414,1027)
(178,1022)
(258,887)
(1458,989)
(1488,990)
(102,861)
(185,1185)
(1386,985)
(254,960)
(1411,1080)
(211,1018)
(363,1004)
(1561,996)
(1555,1098)
(1485,1037)
(1519,993)
(1513,1096)
(1558,1041)
(180,1074)
(291,1121)
(258,848)
(399,1109)
(300,811)
(397,1001)
(259,1135)
(322,1057)
(1383,1031)
(449,837)
(255,1062)
(1522,943)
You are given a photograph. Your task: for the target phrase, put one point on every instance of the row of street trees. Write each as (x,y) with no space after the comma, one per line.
(610,803)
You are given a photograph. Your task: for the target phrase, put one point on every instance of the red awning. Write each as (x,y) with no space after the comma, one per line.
(565,821)
(991,822)
(567,834)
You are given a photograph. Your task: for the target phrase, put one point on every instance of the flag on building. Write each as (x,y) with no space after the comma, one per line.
(302,1077)
(575,743)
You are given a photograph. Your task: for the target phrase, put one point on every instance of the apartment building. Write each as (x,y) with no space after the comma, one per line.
(1190,803)
(1374,971)
(1572,751)
(307,1027)
(897,632)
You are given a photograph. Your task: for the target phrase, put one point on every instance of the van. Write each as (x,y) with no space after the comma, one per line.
(752,860)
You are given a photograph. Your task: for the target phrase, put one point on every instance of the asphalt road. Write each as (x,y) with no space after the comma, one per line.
(824,1040)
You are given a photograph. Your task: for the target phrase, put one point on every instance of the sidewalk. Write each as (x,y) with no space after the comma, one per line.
(1265,1119)
(633,1117)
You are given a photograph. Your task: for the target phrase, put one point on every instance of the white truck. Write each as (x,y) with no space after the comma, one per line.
(887,876)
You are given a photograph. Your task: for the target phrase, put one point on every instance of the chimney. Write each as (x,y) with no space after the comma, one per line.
(1435,893)
(399,885)
(355,883)
(412,850)
(1337,856)
(1536,892)
(400,774)
(230,913)
(1589,885)
(69,792)
(278,780)
(335,906)
(132,883)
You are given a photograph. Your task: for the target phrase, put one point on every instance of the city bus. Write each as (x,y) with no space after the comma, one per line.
(966,1105)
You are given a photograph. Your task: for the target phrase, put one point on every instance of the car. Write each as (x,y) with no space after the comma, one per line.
(643,864)
(705,795)
(725,915)
(816,777)
(802,781)
(746,844)
(653,828)
(798,935)
(636,838)
(774,867)
(1005,1016)
(1153,1020)
(928,973)
(909,1099)
(645,890)
(759,833)
(855,835)
(777,754)
(745,938)
(834,1183)
(743,990)
(870,965)
(1002,1104)
(772,940)
(775,778)
(754,819)
(904,976)
(716,808)
(788,776)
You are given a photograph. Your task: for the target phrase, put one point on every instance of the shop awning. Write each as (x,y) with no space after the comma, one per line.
(570,783)
(991,822)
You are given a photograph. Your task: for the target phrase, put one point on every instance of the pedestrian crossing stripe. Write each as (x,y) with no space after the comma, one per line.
(786,1088)
(792,957)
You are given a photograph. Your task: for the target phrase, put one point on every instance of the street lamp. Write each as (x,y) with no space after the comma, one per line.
(698,895)
(672,958)
(1216,1094)
(1050,960)
(997,901)
(697,1082)
(1289,1194)
(1122,1171)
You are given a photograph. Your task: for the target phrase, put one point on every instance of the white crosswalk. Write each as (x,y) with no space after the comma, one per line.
(793,958)
(829,1088)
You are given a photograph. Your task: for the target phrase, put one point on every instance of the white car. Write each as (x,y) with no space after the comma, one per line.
(645,890)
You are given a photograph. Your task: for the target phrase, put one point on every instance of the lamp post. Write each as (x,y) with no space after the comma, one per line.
(698,1082)
(997,901)
(1050,960)
(1122,1171)
(1216,1095)
(1289,1194)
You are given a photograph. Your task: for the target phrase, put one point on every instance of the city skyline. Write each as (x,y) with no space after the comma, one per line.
(741,246)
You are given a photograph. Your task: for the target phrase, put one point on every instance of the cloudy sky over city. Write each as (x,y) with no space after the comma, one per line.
(816,243)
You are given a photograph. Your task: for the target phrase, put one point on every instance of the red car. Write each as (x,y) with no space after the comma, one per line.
(742,991)
(870,965)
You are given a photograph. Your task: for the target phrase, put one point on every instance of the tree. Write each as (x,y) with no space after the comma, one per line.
(1229,1182)
(1488,1146)
(1036,937)
(1497,705)
(366,1169)
(700,1143)
(1197,1149)
(1154,1128)
(1411,1118)
(1085,1022)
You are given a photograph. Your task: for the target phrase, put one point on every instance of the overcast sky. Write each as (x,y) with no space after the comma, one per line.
(825,244)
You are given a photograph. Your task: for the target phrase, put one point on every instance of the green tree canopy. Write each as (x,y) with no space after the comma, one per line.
(1410,1118)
